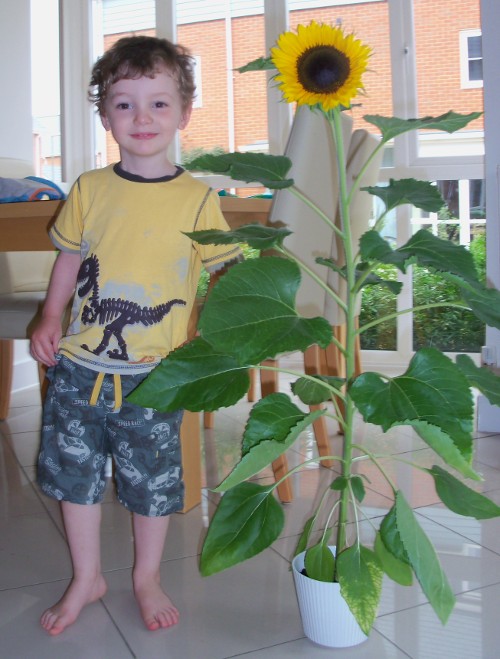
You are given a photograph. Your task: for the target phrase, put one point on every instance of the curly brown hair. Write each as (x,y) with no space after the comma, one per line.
(133,57)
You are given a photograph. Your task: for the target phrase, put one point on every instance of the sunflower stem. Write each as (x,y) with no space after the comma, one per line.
(335,119)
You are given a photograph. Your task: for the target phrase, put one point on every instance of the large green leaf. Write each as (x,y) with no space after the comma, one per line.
(424,561)
(482,378)
(273,426)
(251,314)
(484,302)
(248,519)
(313,392)
(460,498)
(421,194)
(194,377)
(433,396)
(398,571)
(360,577)
(319,563)
(257,236)
(272,417)
(426,250)
(391,538)
(263,168)
(391,127)
(374,248)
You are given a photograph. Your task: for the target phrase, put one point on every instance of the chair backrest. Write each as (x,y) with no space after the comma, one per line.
(23,271)
(311,147)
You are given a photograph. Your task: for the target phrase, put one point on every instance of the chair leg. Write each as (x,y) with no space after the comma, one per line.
(312,366)
(269,384)
(44,383)
(6,368)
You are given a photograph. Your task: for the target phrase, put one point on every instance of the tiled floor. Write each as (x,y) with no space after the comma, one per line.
(250,610)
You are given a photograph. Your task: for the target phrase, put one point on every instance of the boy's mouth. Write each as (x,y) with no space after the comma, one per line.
(143,136)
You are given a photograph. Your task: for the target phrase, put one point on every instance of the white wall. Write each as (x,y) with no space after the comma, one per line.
(15,80)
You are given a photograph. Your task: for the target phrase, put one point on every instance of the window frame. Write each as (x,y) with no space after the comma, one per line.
(465,59)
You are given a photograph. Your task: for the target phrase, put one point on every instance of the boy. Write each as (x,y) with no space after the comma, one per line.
(122,248)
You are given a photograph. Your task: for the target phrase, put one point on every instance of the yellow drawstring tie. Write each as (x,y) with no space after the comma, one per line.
(98,386)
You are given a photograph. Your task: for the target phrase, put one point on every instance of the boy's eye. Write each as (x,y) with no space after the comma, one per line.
(123,106)
(160,104)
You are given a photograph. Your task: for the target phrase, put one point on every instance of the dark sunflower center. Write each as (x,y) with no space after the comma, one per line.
(323,69)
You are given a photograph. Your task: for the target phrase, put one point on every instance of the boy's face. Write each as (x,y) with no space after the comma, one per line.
(143,115)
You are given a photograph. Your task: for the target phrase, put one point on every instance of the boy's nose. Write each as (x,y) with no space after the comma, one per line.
(143,117)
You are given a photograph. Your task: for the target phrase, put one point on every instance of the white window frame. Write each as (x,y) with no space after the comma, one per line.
(465,58)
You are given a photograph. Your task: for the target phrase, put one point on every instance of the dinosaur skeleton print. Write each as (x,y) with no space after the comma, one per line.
(114,314)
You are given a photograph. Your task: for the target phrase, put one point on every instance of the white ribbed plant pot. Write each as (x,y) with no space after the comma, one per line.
(326,618)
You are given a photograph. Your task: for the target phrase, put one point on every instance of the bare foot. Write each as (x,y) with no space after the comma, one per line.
(156,608)
(78,594)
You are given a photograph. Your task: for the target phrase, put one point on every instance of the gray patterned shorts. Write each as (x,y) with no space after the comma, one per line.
(77,437)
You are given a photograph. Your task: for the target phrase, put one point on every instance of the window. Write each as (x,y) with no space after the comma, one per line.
(471,59)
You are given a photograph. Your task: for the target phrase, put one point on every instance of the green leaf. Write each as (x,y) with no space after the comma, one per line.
(319,563)
(428,250)
(432,396)
(374,248)
(421,194)
(194,377)
(424,249)
(314,392)
(360,578)
(248,519)
(484,302)
(272,417)
(250,313)
(389,534)
(461,499)
(263,168)
(259,64)
(274,425)
(397,570)
(391,127)
(257,236)
(481,378)
(424,560)
(304,536)
(358,488)
(339,484)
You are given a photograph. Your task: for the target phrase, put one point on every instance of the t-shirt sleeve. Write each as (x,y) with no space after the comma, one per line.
(214,257)
(66,233)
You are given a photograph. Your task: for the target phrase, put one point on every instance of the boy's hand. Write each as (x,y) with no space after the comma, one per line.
(45,340)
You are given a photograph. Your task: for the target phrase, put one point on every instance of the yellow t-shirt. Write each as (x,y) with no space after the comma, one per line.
(139,273)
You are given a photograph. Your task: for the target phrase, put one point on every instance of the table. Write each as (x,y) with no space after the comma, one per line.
(24,227)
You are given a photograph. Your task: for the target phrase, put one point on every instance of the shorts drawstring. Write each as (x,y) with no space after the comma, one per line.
(98,386)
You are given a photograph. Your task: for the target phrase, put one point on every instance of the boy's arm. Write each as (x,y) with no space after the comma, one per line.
(46,336)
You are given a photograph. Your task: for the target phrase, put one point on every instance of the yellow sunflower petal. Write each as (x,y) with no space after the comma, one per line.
(320,65)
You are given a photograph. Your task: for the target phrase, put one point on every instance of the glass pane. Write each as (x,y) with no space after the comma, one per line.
(462,221)
(230,112)
(476,69)
(475,47)
(439,89)
(46,106)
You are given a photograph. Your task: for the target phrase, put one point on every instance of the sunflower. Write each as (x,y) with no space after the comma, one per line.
(319,65)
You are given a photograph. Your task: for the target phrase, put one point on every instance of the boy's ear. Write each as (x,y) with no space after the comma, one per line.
(105,122)
(186,116)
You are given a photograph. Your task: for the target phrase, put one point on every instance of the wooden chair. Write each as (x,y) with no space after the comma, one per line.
(24,278)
